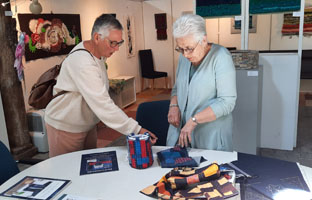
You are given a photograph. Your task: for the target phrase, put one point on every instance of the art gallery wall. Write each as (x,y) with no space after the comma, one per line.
(268,35)
(165,57)
(118,64)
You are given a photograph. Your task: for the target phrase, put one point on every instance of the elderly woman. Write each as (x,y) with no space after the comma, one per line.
(204,94)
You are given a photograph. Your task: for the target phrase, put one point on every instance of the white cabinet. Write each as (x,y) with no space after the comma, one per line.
(127,95)
(281,77)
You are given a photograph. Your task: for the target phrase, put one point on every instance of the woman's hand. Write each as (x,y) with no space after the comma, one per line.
(174,116)
(185,135)
(153,137)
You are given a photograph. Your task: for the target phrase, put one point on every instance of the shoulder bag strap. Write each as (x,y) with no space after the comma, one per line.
(63,91)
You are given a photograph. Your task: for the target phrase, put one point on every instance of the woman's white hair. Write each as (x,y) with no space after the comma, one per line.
(190,24)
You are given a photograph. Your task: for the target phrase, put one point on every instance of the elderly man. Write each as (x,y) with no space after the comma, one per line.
(71,118)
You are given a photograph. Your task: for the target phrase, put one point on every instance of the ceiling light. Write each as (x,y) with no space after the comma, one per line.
(35,7)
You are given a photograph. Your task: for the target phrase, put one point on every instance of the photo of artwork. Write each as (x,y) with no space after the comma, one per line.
(236,25)
(50,34)
(130,39)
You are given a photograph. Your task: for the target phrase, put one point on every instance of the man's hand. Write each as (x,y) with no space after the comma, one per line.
(153,137)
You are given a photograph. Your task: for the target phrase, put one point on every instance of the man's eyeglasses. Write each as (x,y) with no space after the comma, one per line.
(186,50)
(114,44)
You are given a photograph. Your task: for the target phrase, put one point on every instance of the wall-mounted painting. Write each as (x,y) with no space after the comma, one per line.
(50,34)
(130,35)
(236,25)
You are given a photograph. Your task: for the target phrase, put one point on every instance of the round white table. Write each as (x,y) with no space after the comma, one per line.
(125,183)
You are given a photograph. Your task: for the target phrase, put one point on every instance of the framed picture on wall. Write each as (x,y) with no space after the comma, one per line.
(50,34)
(236,25)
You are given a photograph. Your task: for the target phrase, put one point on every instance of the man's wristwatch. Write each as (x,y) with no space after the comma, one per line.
(194,120)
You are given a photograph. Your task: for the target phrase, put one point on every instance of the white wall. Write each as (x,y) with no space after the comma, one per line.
(165,58)
(118,64)
(179,6)
(162,49)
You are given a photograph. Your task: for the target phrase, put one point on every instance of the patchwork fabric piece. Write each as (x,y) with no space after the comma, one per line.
(140,150)
(178,157)
(190,183)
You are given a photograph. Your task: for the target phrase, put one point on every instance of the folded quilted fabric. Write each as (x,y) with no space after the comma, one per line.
(189,183)
(178,157)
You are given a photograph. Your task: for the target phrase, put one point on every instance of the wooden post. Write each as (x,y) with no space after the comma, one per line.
(11,90)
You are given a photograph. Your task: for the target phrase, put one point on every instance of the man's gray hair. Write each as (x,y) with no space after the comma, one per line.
(103,24)
(190,24)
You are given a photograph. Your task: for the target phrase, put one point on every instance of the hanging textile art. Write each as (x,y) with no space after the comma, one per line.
(273,6)
(50,34)
(161,26)
(291,24)
(19,53)
(129,38)
(218,8)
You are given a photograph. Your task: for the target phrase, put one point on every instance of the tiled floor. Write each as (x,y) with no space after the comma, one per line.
(302,153)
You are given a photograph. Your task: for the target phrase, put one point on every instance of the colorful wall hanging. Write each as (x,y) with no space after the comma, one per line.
(291,24)
(19,53)
(236,25)
(161,26)
(218,8)
(50,34)
(273,6)
(129,38)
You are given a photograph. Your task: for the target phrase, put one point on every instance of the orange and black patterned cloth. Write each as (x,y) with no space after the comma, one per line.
(189,183)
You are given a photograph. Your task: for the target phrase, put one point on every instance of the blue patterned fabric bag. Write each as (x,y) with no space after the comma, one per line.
(178,157)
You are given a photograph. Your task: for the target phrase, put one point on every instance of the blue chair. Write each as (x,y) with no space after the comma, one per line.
(153,116)
(8,166)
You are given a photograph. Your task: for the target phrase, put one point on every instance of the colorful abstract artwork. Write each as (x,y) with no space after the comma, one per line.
(291,24)
(50,34)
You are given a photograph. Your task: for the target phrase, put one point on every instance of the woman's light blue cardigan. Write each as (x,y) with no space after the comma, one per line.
(213,84)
